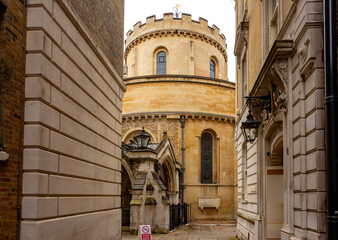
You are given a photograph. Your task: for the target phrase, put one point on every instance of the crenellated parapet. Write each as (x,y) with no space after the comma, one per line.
(179,27)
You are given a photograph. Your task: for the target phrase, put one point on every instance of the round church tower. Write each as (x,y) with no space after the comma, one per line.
(177,83)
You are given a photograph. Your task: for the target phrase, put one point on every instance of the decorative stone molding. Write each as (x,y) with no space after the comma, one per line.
(179,78)
(241,38)
(280,70)
(173,115)
(250,219)
(275,133)
(277,59)
(306,60)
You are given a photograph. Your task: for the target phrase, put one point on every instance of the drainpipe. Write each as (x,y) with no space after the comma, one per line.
(182,170)
(22,104)
(331,116)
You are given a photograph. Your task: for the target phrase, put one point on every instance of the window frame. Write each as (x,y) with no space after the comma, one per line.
(211,160)
(157,62)
(212,62)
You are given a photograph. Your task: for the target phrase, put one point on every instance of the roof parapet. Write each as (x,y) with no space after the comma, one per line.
(150,19)
(178,25)
(203,22)
(186,17)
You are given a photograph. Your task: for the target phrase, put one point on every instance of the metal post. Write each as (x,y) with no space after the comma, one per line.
(331,116)
(182,170)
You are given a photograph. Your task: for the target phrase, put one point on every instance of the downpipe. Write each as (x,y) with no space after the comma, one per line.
(331,109)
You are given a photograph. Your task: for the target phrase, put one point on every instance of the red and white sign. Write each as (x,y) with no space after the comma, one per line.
(145,231)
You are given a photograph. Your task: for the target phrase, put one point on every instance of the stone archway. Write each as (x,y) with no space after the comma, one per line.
(275,191)
(126,187)
(166,176)
(274,179)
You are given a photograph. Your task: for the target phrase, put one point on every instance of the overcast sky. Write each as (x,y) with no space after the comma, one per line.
(218,12)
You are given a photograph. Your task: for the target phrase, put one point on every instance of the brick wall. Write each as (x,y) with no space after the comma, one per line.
(11,40)
(73,125)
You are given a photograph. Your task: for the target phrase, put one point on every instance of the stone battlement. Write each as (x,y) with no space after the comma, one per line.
(169,25)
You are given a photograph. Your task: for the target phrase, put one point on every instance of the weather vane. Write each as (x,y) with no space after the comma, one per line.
(177,14)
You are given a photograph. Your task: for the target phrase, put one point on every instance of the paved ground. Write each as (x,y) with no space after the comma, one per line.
(194,231)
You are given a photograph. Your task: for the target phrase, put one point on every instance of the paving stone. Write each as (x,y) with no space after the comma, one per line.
(194,232)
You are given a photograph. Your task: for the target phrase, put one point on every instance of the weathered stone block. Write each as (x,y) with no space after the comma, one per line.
(39,207)
(36,135)
(74,186)
(36,111)
(75,167)
(39,41)
(39,64)
(37,17)
(34,183)
(36,87)
(38,159)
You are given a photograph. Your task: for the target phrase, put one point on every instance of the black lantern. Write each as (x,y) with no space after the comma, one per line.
(250,127)
(142,140)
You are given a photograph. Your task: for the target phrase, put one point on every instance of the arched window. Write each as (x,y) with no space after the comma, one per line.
(206,158)
(161,63)
(212,69)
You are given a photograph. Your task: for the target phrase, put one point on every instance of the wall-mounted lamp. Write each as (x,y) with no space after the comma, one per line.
(250,126)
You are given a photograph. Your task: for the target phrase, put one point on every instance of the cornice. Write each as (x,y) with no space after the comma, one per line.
(177,115)
(179,78)
(280,51)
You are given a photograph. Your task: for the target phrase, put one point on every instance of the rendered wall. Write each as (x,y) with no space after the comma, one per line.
(72,155)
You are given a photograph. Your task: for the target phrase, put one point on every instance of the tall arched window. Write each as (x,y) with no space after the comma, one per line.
(206,158)
(161,63)
(212,69)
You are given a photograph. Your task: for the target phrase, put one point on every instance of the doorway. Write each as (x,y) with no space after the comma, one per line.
(274,200)
(125,198)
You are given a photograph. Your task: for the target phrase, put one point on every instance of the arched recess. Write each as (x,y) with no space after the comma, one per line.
(155,53)
(134,132)
(167,175)
(274,177)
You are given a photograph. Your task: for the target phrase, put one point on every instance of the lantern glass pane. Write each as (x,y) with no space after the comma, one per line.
(252,134)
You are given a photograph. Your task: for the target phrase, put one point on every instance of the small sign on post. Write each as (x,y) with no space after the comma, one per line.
(145,232)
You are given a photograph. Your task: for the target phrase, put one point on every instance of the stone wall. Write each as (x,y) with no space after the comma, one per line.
(222,188)
(294,132)
(12,64)
(156,126)
(73,124)
(179,93)
(100,26)
(199,43)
